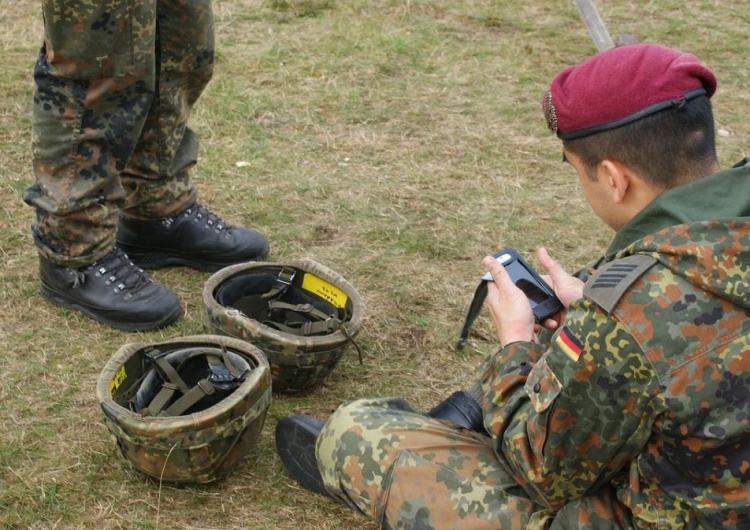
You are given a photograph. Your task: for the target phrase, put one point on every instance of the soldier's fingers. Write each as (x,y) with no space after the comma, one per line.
(551,266)
(499,274)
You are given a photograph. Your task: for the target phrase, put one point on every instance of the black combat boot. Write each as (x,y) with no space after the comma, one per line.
(461,409)
(295,443)
(195,238)
(112,291)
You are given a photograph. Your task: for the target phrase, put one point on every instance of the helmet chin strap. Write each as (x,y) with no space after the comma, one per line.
(283,280)
(223,375)
(300,319)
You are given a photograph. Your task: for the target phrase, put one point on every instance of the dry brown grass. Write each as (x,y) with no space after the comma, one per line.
(395,141)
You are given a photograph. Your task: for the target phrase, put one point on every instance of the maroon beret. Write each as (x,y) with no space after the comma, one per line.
(622,85)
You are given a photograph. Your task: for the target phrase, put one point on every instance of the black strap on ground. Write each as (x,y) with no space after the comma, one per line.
(475,307)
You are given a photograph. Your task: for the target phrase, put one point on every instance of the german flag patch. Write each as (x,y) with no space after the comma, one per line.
(569,343)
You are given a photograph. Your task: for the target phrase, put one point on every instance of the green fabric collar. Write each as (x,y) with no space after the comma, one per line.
(723,195)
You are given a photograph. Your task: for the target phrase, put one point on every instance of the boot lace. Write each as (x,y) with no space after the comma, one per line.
(117,270)
(210,220)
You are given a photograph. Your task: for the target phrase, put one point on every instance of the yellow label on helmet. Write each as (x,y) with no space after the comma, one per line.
(117,380)
(325,290)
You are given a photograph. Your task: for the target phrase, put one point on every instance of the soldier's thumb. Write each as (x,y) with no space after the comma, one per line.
(553,268)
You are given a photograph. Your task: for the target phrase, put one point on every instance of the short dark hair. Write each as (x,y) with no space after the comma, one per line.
(668,148)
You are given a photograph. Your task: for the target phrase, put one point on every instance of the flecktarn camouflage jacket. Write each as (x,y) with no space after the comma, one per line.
(645,391)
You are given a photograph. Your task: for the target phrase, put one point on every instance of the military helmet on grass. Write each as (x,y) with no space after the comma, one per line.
(301,314)
(186,410)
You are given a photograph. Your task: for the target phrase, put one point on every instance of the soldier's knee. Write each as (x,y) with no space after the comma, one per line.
(345,418)
(356,423)
(351,420)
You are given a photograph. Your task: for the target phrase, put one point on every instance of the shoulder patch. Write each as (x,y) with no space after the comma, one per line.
(610,281)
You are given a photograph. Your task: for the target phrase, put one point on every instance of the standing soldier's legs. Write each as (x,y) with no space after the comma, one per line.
(115,83)
(406,470)
(156,177)
(161,223)
(94,86)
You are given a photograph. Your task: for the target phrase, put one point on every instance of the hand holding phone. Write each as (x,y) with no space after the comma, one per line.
(542,298)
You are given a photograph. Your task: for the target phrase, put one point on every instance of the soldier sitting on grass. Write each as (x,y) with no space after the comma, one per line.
(636,412)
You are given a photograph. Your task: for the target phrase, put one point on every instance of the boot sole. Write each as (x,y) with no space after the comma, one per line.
(158,260)
(294,441)
(70,303)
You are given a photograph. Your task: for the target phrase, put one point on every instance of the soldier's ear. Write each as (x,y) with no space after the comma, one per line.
(617,178)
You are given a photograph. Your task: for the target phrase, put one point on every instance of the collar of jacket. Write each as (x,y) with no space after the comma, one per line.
(723,195)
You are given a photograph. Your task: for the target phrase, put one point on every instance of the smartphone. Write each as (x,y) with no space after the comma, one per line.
(542,298)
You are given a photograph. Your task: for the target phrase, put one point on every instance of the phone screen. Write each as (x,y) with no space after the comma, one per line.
(543,301)
(524,281)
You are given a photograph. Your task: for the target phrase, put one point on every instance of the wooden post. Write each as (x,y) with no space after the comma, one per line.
(595,25)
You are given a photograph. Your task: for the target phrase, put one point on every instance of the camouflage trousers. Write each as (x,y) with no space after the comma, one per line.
(403,469)
(115,83)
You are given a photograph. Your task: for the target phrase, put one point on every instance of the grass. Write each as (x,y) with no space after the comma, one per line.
(397,142)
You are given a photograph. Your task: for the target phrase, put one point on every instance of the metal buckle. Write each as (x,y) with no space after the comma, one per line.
(286,276)
(284,280)
(152,354)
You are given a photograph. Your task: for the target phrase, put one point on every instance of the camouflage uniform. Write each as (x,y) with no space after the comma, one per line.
(635,414)
(115,83)
(406,470)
